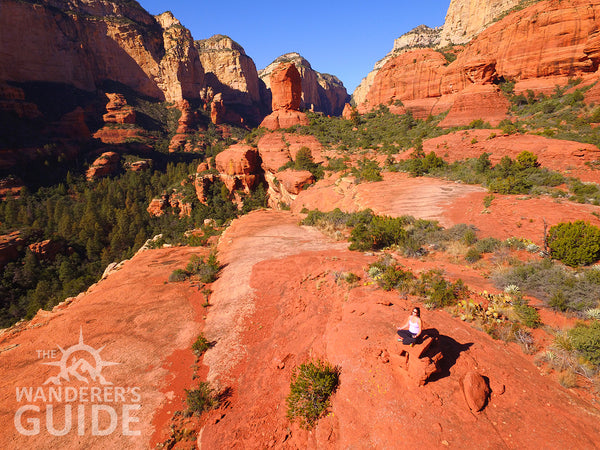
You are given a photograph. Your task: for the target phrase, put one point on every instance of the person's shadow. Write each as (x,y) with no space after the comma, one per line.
(448,347)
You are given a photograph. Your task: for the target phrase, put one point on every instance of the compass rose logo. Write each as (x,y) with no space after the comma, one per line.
(73,364)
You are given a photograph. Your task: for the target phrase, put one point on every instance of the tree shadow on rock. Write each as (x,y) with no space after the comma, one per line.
(449,348)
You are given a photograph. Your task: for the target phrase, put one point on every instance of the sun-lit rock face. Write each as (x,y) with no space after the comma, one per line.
(286,90)
(466,18)
(538,47)
(116,41)
(321,92)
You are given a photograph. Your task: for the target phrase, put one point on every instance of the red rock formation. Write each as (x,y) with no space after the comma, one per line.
(219,114)
(284,118)
(138,166)
(12,100)
(10,246)
(114,41)
(71,126)
(239,167)
(286,87)
(10,185)
(105,164)
(117,110)
(348,111)
(550,40)
(294,181)
(320,91)
(119,119)
(185,124)
(478,101)
(47,249)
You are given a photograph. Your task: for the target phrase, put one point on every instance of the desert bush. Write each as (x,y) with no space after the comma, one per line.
(560,287)
(586,340)
(473,255)
(388,275)
(311,387)
(201,345)
(201,399)
(439,291)
(488,245)
(367,170)
(380,232)
(206,271)
(178,275)
(574,243)
(527,315)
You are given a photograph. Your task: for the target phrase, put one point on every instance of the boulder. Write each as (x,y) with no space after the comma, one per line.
(476,390)
(47,249)
(294,181)
(239,167)
(10,246)
(105,164)
(284,119)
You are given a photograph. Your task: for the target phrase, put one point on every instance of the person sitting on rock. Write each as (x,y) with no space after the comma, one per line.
(414,324)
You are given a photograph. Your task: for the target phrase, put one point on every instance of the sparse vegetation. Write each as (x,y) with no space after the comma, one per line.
(200,345)
(311,387)
(201,399)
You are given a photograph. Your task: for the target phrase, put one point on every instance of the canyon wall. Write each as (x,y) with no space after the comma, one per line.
(537,47)
(86,43)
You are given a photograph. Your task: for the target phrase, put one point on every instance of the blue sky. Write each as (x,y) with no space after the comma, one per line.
(343,38)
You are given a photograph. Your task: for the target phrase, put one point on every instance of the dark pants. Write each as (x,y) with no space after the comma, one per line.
(407,337)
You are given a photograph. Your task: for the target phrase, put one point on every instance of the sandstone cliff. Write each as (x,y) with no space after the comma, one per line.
(419,37)
(116,41)
(539,46)
(467,18)
(232,73)
(320,92)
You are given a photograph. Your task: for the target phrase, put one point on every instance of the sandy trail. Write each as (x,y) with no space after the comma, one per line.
(277,235)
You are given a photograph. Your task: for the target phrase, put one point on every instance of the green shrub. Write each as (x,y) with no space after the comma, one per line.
(389,276)
(178,275)
(488,245)
(438,290)
(586,340)
(380,232)
(473,255)
(311,386)
(367,170)
(574,243)
(201,399)
(206,271)
(201,345)
(528,315)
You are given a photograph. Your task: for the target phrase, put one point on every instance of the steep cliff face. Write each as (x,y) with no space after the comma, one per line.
(116,41)
(232,73)
(466,18)
(419,37)
(320,92)
(550,40)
